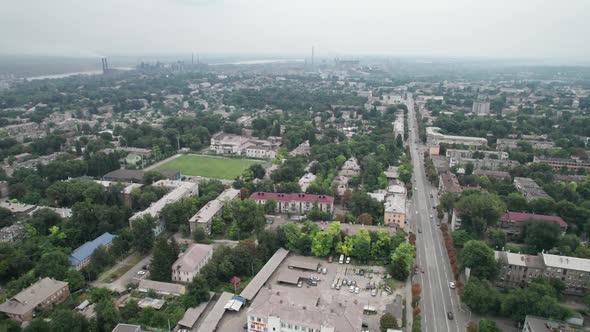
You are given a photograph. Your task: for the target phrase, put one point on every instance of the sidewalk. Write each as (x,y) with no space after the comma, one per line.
(408,301)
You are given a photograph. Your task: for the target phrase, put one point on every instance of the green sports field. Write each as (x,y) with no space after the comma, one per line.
(211,167)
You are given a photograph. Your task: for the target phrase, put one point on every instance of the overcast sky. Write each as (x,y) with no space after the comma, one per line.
(489,28)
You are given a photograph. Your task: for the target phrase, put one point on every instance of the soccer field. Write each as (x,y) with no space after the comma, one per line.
(211,167)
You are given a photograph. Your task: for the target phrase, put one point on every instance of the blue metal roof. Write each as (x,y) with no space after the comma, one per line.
(84,251)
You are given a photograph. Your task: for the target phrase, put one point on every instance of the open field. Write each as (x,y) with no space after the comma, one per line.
(211,167)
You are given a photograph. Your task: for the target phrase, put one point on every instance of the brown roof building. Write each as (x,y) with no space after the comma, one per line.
(43,293)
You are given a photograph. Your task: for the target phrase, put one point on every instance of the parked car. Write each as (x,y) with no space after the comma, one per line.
(341,260)
(357,290)
(300,284)
(330,259)
(320,269)
(348,260)
(141,272)
(374,292)
(324,271)
(452,285)
(351,289)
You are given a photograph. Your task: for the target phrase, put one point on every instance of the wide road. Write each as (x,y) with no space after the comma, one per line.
(431,257)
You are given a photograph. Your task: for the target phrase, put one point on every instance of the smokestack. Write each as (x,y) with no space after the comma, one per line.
(106,64)
(102,64)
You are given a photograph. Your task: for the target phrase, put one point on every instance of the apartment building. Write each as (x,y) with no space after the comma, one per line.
(188,265)
(394,214)
(177,191)
(539,324)
(481,108)
(12,233)
(519,270)
(41,294)
(507,144)
(513,222)
(559,163)
(211,209)
(434,137)
(529,188)
(297,203)
(449,183)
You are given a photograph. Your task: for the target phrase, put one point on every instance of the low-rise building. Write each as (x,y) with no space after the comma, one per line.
(12,233)
(538,324)
(559,163)
(481,108)
(529,188)
(177,191)
(293,309)
(41,294)
(507,144)
(449,183)
(350,168)
(497,175)
(296,202)
(394,214)
(513,222)
(161,288)
(81,256)
(188,265)
(211,209)
(518,270)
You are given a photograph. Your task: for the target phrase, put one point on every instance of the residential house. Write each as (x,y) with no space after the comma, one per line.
(41,294)
(306,181)
(188,265)
(161,288)
(350,168)
(518,270)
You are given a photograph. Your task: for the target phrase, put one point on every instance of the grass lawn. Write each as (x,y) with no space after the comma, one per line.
(119,269)
(211,167)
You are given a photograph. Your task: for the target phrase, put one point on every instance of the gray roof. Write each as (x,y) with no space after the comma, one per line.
(161,287)
(210,321)
(569,263)
(31,297)
(192,314)
(192,257)
(312,266)
(538,324)
(262,276)
(127,328)
(290,276)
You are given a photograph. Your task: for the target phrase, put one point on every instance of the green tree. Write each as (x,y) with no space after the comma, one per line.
(387,321)
(487,325)
(516,202)
(541,234)
(54,264)
(477,256)
(361,247)
(142,234)
(217,226)
(67,320)
(162,260)
(199,235)
(107,316)
(481,296)
(197,292)
(496,238)
(401,261)
(321,244)
(480,211)
(292,235)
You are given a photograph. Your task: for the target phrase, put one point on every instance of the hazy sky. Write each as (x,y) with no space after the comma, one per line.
(490,28)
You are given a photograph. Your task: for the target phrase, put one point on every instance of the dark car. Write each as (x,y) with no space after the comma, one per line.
(450,315)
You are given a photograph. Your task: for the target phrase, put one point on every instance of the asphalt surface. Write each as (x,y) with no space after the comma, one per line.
(437,297)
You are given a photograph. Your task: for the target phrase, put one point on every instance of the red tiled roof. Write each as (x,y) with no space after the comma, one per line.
(295,197)
(522,216)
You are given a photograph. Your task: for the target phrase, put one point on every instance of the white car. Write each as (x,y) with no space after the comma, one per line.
(357,290)
(300,284)
(452,285)
(351,289)
(324,271)
(141,272)
(348,260)
(374,292)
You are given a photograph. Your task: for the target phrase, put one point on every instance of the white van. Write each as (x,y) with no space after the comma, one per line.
(341,260)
